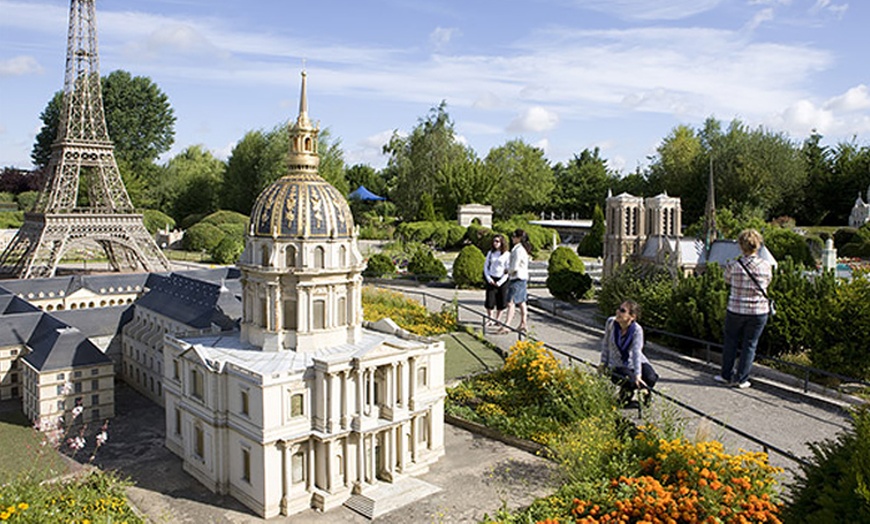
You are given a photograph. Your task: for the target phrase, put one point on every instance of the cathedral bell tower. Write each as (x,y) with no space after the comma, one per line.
(301,268)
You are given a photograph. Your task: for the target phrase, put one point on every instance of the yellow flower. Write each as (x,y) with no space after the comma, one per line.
(23,505)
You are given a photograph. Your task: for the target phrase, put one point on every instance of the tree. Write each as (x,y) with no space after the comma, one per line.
(582,184)
(678,170)
(420,162)
(523,178)
(260,158)
(592,244)
(190,183)
(139,119)
(365,175)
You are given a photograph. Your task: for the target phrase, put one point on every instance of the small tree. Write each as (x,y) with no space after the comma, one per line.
(592,245)
(379,265)
(468,267)
(426,267)
(566,275)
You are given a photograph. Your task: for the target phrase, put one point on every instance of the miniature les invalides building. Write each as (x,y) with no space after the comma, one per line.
(304,406)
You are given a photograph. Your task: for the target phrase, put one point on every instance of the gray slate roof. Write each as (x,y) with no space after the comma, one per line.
(191,301)
(55,345)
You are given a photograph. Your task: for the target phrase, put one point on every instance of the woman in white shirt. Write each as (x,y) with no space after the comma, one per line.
(518,278)
(495,275)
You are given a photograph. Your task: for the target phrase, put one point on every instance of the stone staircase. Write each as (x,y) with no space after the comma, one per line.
(383,498)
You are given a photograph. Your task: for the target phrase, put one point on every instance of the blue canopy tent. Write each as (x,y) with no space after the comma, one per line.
(361,193)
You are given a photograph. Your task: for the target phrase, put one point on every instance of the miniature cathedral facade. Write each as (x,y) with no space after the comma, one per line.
(304,406)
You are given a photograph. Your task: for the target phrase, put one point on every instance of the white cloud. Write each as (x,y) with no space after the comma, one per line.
(20,66)
(838,10)
(442,36)
(855,99)
(535,119)
(765,15)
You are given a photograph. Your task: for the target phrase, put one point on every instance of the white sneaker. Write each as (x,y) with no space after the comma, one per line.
(743,385)
(720,379)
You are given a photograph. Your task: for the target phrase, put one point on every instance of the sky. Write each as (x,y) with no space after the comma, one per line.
(562,75)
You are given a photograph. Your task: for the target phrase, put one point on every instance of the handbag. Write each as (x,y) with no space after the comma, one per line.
(771,304)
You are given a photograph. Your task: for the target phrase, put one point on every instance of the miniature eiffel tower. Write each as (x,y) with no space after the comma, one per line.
(82,157)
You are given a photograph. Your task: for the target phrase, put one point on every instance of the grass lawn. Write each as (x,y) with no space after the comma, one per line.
(467,355)
(21,450)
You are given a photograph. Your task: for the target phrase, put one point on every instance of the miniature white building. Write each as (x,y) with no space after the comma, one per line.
(467,214)
(303,407)
(860,211)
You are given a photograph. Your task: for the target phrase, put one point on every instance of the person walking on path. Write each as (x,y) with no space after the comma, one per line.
(518,278)
(495,275)
(622,353)
(748,309)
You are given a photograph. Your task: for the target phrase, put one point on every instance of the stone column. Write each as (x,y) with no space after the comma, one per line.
(282,445)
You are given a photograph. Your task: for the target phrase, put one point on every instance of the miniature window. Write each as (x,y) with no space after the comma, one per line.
(244,401)
(297,465)
(176,372)
(342,311)
(199,441)
(196,385)
(177,421)
(290,314)
(246,465)
(422,377)
(296,405)
(319,257)
(290,256)
(319,314)
(264,256)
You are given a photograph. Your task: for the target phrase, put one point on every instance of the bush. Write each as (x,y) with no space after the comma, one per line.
(843,236)
(11,219)
(379,265)
(468,267)
(228,250)
(157,220)
(650,286)
(566,277)
(539,236)
(426,267)
(785,243)
(480,236)
(27,200)
(202,237)
(221,217)
(407,313)
(834,486)
(698,305)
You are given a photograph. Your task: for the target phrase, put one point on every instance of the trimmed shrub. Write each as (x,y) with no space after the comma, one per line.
(479,236)
(27,200)
(468,267)
(221,217)
(566,276)
(228,250)
(785,243)
(379,265)
(834,486)
(156,220)
(426,267)
(592,244)
(649,286)
(11,219)
(202,237)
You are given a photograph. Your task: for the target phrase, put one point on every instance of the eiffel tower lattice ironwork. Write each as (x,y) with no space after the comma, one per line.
(83,157)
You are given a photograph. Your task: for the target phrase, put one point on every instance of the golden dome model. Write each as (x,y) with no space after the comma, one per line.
(301,204)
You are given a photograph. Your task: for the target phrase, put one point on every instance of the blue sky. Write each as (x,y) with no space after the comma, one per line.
(563,75)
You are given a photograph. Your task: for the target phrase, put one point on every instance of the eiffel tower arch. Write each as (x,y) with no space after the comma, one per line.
(81,169)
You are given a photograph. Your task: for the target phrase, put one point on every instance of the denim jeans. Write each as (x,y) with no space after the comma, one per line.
(741,336)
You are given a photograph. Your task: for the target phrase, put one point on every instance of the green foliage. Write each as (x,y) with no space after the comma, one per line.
(27,200)
(523,179)
(155,221)
(592,244)
(221,217)
(379,265)
(99,496)
(228,250)
(11,219)
(468,267)
(785,243)
(7,197)
(480,236)
(802,304)
(835,485)
(698,305)
(845,329)
(858,245)
(582,184)
(651,287)
(425,266)
(426,213)
(426,162)
(438,234)
(566,275)
(843,236)
(202,237)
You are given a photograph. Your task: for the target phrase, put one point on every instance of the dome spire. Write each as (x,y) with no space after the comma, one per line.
(303,120)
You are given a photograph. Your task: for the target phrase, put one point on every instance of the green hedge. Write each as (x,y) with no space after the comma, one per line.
(468,267)
(566,275)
